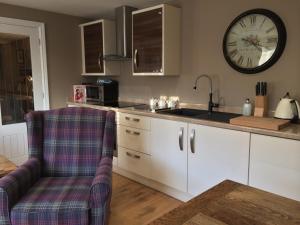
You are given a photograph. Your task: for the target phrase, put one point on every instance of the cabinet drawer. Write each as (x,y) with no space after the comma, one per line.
(134,139)
(130,120)
(134,162)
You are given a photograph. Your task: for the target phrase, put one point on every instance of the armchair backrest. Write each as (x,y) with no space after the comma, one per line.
(70,141)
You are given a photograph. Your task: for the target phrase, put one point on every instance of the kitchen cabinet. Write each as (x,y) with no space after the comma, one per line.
(135,162)
(98,39)
(214,155)
(169,153)
(275,165)
(156,40)
(133,137)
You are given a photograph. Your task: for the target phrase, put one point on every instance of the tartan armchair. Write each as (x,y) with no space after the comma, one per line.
(67,179)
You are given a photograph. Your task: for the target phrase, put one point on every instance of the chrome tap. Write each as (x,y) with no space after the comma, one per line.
(211,104)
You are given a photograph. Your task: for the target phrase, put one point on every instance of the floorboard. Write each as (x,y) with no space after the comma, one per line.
(135,204)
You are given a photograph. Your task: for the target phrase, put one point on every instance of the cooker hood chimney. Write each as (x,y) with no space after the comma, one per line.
(123,19)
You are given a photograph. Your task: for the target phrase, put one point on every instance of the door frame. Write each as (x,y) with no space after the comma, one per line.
(42,39)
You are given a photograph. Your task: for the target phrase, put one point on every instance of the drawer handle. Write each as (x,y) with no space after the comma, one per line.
(133,156)
(137,156)
(133,133)
(128,131)
(180,138)
(192,141)
(133,119)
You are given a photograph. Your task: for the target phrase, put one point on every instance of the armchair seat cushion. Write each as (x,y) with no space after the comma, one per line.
(54,201)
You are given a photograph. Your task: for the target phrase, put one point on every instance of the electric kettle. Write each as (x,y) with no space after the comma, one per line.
(288,109)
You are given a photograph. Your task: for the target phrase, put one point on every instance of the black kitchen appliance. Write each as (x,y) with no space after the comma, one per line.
(104,91)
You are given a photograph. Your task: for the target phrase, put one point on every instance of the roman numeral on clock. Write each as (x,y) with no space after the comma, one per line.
(270,29)
(249,62)
(233,53)
(272,40)
(242,24)
(240,60)
(262,23)
(233,43)
(253,19)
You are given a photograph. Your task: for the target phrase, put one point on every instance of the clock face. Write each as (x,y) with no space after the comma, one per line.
(254,41)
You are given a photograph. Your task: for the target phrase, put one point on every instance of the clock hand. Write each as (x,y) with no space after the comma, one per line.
(256,46)
(252,43)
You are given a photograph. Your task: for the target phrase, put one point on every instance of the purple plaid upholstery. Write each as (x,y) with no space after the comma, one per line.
(73,141)
(101,192)
(72,150)
(35,134)
(61,200)
(14,185)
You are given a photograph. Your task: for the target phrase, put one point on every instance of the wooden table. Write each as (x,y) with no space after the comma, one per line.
(6,166)
(230,203)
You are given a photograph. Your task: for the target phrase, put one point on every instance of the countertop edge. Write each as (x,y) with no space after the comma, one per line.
(290,132)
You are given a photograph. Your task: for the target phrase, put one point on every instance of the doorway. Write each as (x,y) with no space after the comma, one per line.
(23,83)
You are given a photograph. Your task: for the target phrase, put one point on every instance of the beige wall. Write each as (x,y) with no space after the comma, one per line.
(204,24)
(63,48)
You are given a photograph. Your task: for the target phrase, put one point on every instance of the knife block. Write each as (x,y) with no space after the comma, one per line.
(261,106)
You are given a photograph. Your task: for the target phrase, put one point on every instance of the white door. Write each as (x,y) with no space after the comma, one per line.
(169,153)
(214,155)
(23,83)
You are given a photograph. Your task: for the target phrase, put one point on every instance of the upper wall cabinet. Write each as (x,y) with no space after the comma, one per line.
(98,38)
(156,41)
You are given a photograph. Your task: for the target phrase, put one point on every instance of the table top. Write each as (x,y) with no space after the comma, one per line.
(6,166)
(231,203)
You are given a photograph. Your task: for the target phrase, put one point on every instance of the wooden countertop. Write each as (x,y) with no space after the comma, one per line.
(290,132)
(230,203)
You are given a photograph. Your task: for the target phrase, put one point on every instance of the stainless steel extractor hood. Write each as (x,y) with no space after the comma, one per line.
(123,19)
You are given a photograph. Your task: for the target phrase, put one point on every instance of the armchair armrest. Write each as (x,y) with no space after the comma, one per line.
(100,193)
(14,185)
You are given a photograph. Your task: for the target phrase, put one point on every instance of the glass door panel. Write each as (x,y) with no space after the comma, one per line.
(16,90)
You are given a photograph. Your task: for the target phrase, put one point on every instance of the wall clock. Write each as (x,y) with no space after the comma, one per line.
(254,41)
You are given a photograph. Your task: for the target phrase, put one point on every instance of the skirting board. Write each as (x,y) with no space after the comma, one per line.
(182,196)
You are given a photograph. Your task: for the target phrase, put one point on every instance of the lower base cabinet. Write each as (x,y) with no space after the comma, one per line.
(214,155)
(134,162)
(169,153)
(275,165)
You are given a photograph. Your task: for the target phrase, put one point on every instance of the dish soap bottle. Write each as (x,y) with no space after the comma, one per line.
(247,108)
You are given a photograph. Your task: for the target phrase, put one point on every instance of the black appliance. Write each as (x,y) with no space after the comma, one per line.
(103,92)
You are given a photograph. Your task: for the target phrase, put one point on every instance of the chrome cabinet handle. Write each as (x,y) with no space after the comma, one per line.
(133,156)
(192,140)
(99,61)
(135,59)
(180,139)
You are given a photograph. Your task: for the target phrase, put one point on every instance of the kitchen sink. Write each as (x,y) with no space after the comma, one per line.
(223,117)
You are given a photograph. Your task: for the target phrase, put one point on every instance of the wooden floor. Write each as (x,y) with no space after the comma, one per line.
(135,204)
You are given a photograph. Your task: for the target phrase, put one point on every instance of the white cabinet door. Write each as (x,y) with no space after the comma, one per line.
(214,155)
(169,153)
(275,165)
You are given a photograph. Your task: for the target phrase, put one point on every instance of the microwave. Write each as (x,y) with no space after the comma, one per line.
(103,91)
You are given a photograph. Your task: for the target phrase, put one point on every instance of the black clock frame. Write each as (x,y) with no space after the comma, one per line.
(282,36)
